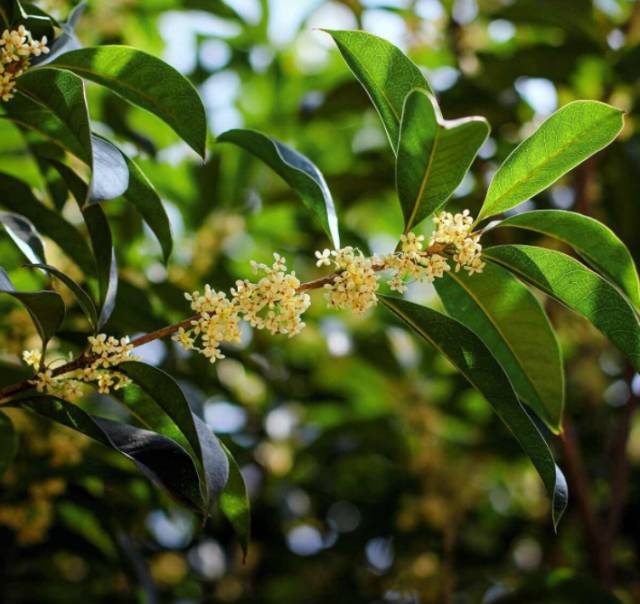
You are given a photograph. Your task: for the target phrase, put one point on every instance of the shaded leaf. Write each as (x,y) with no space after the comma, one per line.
(45,307)
(82,297)
(200,441)
(565,139)
(234,502)
(385,72)
(160,459)
(146,200)
(434,155)
(8,443)
(24,235)
(473,359)
(578,288)
(105,256)
(146,81)
(300,174)
(594,241)
(508,318)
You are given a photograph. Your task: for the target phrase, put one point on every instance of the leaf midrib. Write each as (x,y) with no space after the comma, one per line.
(542,164)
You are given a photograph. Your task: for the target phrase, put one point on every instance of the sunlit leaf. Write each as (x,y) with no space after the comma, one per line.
(434,155)
(385,72)
(578,288)
(567,138)
(595,242)
(143,80)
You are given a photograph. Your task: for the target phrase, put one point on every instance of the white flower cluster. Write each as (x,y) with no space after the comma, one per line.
(356,283)
(273,303)
(16,48)
(455,230)
(414,263)
(107,352)
(278,300)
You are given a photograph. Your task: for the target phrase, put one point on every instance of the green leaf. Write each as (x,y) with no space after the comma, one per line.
(24,235)
(8,443)
(164,390)
(508,318)
(578,288)
(40,119)
(234,502)
(596,243)
(146,200)
(299,172)
(45,307)
(202,444)
(565,139)
(82,297)
(473,359)
(62,93)
(143,80)
(105,256)
(110,173)
(385,72)
(16,195)
(434,155)
(160,459)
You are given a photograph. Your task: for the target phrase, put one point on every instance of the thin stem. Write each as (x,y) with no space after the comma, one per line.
(86,359)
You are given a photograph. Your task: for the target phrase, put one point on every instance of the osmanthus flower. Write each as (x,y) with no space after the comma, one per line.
(277,301)
(356,282)
(106,352)
(16,48)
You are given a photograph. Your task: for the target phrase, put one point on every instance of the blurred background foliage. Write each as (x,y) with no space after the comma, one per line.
(376,474)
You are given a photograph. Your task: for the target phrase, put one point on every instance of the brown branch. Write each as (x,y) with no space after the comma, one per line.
(581,492)
(86,359)
(620,464)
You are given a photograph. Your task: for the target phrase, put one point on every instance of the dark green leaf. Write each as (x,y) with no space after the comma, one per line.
(16,196)
(301,174)
(24,235)
(579,288)
(201,442)
(62,93)
(8,443)
(594,241)
(473,359)
(45,307)
(82,297)
(105,256)
(508,318)
(385,72)
(434,155)
(146,81)
(234,502)
(160,459)
(567,138)
(147,201)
